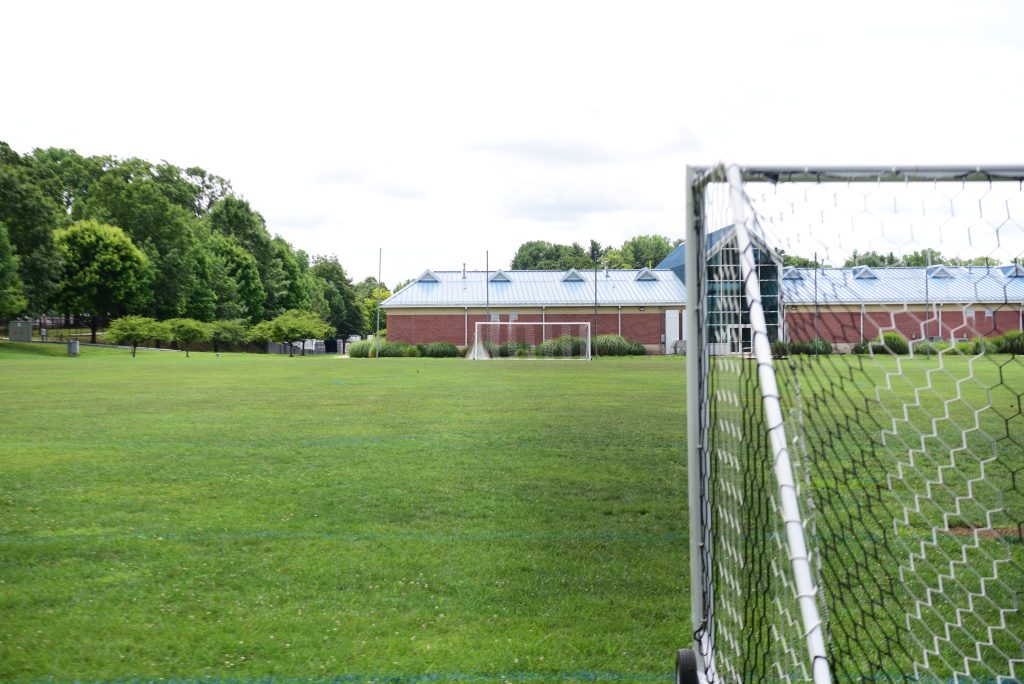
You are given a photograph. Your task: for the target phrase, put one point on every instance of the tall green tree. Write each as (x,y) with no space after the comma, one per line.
(187,331)
(343,312)
(646,250)
(12,295)
(369,292)
(106,275)
(134,330)
(871,258)
(31,217)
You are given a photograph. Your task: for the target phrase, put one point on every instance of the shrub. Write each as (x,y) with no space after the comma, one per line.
(393,350)
(1010,343)
(611,345)
(439,350)
(965,348)
(862,347)
(818,346)
(980,345)
(360,349)
(637,349)
(780,349)
(891,343)
(930,348)
(513,348)
(566,345)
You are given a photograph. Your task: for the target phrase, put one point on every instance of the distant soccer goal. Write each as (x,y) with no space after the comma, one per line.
(531,340)
(855,425)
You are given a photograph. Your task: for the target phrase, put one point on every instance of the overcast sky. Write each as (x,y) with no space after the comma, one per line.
(441,130)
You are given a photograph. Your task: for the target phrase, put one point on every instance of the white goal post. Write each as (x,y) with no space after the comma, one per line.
(855,420)
(531,340)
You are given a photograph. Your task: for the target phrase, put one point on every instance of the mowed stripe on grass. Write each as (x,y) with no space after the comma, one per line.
(251,516)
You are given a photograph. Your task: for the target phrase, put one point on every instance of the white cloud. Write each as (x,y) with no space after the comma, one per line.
(439,130)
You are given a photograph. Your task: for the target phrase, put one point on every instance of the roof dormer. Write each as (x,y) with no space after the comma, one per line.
(1013,271)
(864,273)
(939,272)
(792,273)
(428,276)
(645,274)
(500,276)
(572,276)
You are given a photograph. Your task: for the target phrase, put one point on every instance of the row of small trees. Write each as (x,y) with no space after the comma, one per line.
(291,326)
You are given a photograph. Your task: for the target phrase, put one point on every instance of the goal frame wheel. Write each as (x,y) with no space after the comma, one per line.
(686,666)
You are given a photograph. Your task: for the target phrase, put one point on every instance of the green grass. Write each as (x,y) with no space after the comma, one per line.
(406,520)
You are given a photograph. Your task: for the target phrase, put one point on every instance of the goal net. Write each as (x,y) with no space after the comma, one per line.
(855,425)
(515,340)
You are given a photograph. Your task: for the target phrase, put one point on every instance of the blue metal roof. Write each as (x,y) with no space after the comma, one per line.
(540,288)
(903,285)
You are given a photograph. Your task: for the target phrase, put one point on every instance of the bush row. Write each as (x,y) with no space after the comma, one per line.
(566,345)
(895,343)
(815,347)
(368,349)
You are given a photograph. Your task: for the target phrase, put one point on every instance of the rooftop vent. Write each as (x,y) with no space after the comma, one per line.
(1013,271)
(645,274)
(572,276)
(791,273)
(500,277)
(864,273)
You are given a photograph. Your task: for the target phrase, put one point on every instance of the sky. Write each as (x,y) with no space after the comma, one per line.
(445,132)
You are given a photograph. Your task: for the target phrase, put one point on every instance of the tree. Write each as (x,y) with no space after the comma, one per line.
(135,330)
(798,261)
(646,250)
(105,274)
(343,312)
(186,331)
(872,258)
(12,295)
(294,326)
(31,217)
(369,293)
(228,332)
(924,257)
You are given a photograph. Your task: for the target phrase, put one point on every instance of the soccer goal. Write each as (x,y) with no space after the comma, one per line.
(855,426)
(531,340)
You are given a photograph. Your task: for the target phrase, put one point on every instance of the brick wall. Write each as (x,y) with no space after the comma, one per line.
(420,328)
(948,322)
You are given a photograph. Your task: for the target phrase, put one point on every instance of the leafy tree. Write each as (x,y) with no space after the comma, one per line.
(106,275)
(343,312)
(976,261)
(646,250)
(228,332)
(12,296)
(67,176)
(186,331)
(284,283)
(261,332)
(236,279)
(368,293)
(798,261)
(31,217)
(872,258)
(294,326)
(924,257)
(134,330)
(613,258)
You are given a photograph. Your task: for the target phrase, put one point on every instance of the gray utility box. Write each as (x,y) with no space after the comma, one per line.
(20,331)
(72,347)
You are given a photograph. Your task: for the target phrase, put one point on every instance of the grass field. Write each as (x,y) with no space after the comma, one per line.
(405,520)
(254,518)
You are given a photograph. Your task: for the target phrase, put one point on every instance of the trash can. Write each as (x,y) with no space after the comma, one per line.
(72,347)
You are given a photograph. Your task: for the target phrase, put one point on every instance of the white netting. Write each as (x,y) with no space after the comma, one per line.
(529,340)
(907,447)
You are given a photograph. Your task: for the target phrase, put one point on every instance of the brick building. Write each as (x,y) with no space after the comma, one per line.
(643,305)
(842,305)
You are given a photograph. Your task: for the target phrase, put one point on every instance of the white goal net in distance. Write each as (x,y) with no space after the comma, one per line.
(531,340)
(856,424)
